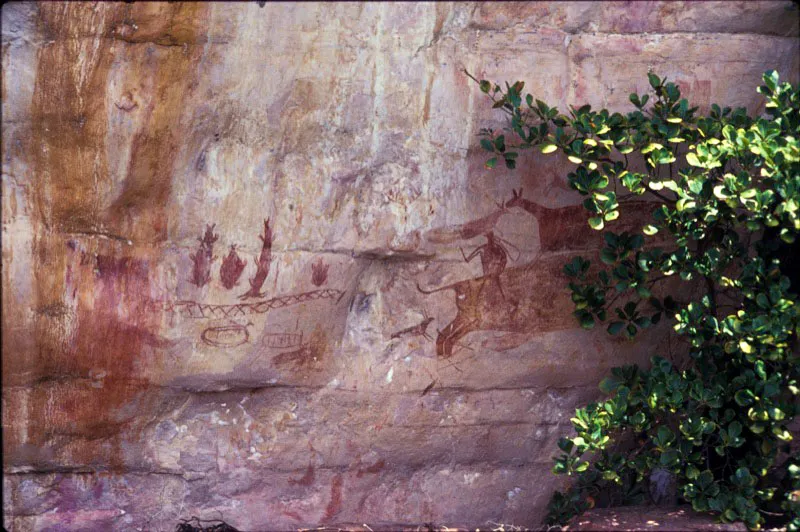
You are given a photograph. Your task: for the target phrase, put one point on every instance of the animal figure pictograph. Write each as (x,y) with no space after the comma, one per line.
(420,329)
(262,264)
(559,228)
(202,259)
(564,228)
(231,269)
(520,299)
(518,201)
(494,258)
(528,303)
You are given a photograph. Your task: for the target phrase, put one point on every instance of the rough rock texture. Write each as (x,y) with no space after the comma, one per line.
(233,282)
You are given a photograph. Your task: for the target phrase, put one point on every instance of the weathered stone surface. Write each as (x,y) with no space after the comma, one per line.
(759,17)
(234,243)
(610,62)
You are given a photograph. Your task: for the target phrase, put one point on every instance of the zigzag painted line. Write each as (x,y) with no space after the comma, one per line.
(193,309)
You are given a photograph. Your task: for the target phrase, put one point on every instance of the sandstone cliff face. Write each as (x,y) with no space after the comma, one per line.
(233,282)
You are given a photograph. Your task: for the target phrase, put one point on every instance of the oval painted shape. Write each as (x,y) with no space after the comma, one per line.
(227,336)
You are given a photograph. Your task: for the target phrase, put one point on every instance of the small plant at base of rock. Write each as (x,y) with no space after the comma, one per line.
(728,218)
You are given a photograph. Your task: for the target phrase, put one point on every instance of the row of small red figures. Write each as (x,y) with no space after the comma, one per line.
(233,266)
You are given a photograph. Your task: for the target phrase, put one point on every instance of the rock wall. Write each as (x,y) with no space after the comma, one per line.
(234,240)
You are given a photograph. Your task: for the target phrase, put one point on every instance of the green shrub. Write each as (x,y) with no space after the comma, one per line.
(728,187)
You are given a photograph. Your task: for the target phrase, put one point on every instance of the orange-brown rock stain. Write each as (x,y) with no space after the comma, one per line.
(84,380)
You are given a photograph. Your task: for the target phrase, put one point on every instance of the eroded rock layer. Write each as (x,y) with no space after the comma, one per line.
(254,268)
